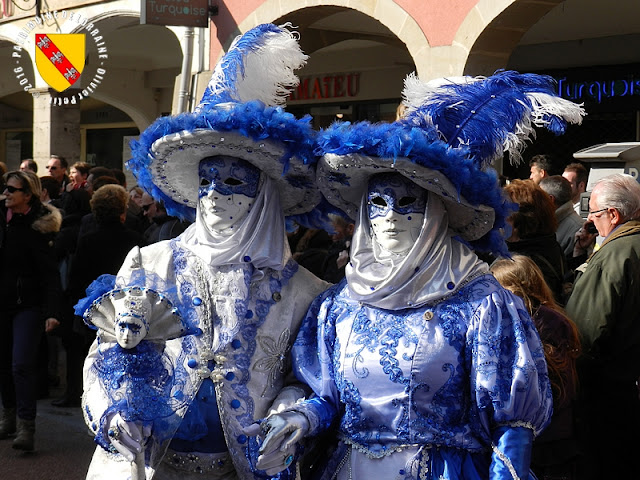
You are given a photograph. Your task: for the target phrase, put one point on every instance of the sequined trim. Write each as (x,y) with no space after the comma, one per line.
(506,461)
(425,461)
(201,463)
(520,423)
(385,453)
(346,460)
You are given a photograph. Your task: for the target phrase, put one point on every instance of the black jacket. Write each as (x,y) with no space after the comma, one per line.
(546,253)
(98,252)
(29,275)
(164,227)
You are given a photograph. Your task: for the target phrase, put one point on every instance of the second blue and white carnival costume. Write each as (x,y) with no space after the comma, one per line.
(429,368)
(240,295)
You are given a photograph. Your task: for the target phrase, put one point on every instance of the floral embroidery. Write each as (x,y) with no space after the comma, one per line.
(274,362)
(398,379)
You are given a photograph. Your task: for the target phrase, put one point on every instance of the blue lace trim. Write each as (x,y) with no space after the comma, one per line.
(141,385)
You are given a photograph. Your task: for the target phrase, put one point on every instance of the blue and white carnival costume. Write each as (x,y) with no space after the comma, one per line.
(236,367)
(426,366)
(240,295)
(426,391)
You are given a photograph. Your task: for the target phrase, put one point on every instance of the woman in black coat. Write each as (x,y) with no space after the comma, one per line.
(29,299)
(99,251)
(534,234)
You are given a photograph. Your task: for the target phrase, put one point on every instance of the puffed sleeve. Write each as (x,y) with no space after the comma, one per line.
(312,355)
(509,372)
(513,398)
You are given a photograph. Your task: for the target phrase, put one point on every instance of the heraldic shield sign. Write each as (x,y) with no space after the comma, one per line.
(60,58)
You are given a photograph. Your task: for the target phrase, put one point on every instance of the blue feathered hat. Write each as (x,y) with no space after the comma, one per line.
(452,131)
(240,115)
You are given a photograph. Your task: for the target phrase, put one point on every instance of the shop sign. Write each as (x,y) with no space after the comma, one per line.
(323,87)
(598,90)
(179,13)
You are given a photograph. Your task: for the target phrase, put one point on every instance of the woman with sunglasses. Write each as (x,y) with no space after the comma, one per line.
(29,293)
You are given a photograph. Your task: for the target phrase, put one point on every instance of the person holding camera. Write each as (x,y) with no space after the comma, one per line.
(605,304)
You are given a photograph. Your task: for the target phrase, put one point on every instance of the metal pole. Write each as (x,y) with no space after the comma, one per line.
(185,76)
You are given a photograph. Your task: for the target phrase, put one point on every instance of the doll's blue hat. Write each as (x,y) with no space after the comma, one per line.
(452,131)
(240,115)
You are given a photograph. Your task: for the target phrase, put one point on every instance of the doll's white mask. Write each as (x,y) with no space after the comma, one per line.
(396,211)
(130,331)
(228,187)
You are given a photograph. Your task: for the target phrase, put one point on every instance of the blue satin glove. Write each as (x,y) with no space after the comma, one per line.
(511,455)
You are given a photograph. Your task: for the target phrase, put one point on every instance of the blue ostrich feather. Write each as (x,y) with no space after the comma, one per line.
(423,146)
(97,288)
(494,114)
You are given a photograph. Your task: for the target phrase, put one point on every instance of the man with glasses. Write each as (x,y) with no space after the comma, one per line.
(605,304)
(57,168)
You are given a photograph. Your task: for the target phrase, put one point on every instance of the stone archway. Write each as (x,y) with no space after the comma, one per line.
(403,27)
(143,63)
(492,30)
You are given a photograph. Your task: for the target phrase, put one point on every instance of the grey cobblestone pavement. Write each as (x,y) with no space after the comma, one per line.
(63,446)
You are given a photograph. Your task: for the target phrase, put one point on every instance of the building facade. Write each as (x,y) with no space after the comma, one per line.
(360,52)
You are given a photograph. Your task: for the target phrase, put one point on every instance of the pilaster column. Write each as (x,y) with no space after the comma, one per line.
(56,128)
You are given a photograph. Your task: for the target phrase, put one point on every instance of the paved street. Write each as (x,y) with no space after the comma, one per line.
(63,447)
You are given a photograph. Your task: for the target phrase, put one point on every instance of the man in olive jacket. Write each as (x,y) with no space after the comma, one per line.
(605,304)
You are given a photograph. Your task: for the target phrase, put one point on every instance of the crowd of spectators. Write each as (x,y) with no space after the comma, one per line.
(578,278)
(92,222)
(578,273)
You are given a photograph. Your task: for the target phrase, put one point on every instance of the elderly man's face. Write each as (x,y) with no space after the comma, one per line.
(601,215)
(228,188)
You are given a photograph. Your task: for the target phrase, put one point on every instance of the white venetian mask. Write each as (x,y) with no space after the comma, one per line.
(396,211)
(228,187)
(130,331)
